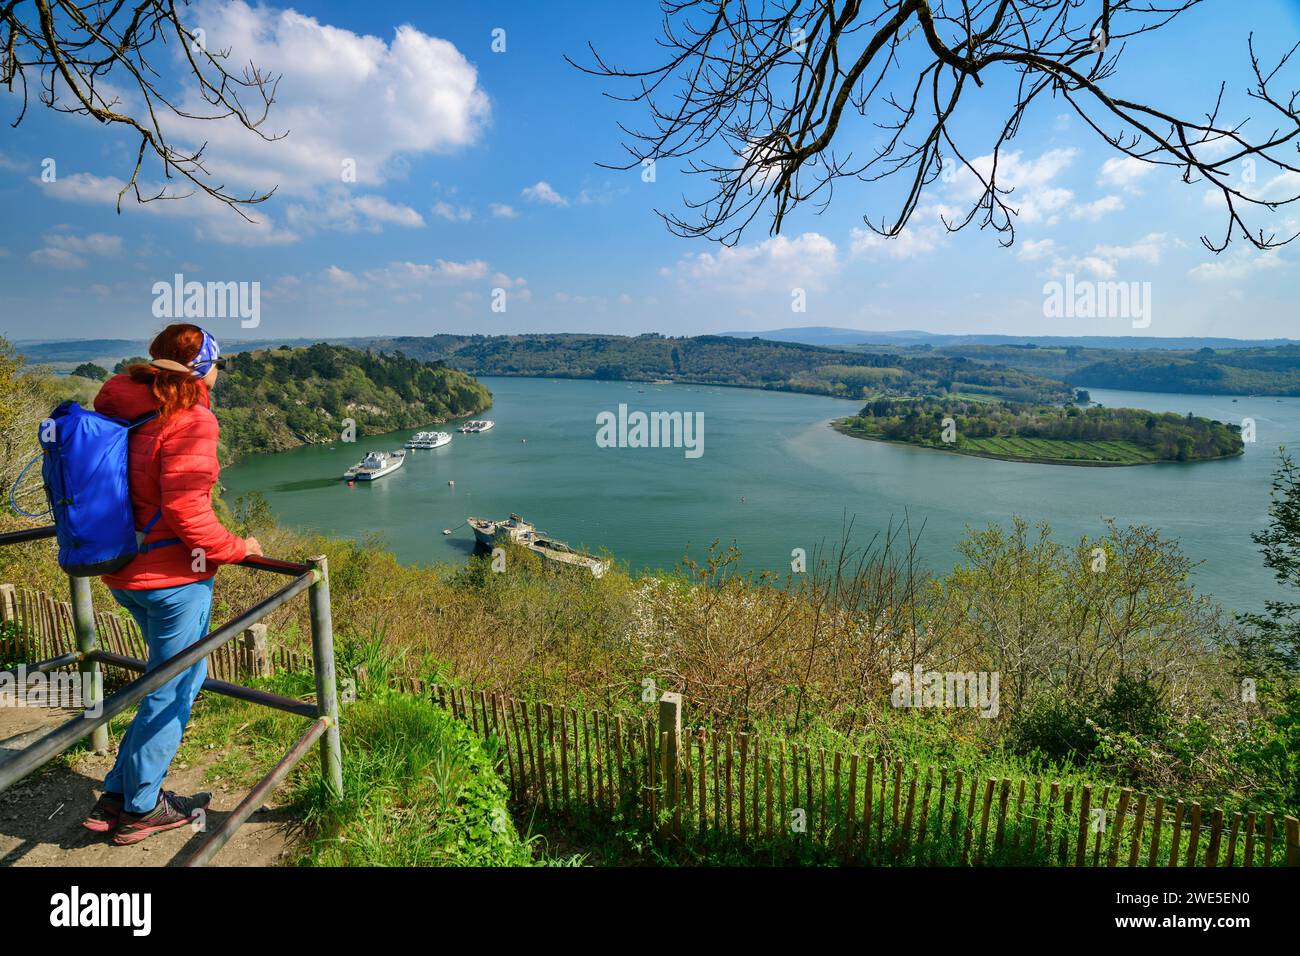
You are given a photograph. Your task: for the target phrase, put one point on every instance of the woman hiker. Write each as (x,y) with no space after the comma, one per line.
(172,466)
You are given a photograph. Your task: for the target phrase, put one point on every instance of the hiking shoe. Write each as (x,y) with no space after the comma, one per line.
(171,812)
(106,813)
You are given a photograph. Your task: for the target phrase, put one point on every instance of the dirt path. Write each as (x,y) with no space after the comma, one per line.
(40,817)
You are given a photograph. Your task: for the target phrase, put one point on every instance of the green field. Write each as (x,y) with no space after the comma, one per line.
(1053,449)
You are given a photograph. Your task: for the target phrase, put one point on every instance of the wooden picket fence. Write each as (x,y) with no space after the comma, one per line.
(36,626)
(785,799)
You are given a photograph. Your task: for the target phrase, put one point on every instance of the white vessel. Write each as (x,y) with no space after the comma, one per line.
(376,464)
(471,428)
(428,440)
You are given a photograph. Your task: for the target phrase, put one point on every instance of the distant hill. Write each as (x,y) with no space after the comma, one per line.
(915,363)
(65,354)
(720,360)
(828,335)
(1273,371)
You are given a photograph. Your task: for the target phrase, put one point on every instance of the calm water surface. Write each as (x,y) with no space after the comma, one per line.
(773,477)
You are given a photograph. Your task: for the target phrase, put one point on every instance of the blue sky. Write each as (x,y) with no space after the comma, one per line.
(477,171)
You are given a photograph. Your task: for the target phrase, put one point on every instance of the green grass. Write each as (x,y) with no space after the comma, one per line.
(419,788)
(1038,449)
(1051,449)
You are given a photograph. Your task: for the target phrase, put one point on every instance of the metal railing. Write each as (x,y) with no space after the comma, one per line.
(312,577)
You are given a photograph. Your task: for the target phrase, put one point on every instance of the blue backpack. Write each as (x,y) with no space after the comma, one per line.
(85,474)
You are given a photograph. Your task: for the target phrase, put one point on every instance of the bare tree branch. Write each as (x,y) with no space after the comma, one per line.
(753,95)
(76,52)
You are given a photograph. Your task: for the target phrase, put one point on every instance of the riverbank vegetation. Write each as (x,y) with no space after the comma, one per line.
(275,399)
(1045,433)
(269,399)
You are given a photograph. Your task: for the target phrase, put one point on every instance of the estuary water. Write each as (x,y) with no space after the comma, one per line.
(773,476)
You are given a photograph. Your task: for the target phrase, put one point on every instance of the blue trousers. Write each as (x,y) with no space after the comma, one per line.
(171,619)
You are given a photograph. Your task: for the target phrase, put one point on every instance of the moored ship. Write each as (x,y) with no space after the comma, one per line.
(555,554)
(428,440)
(376,464)
(488,532)
(474,427)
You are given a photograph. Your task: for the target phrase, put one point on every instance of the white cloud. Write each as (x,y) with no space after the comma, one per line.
(342,97)
(1238,265)
(1032,250)
(502,211)
(1146,249)
(542,192)
(1092,265)
(1285,185)
(406,274)
(96,243)
(1123,172)
(66,251)
(1093,211)
(380,210)
(341,278)
(1033,196)
(912,241)
(57,259)
(338,209)
(776,263)
(445,210)
(1213,149)
(213,219)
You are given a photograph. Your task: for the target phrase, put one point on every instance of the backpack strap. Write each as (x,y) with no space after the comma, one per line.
(142,534)
(143,548)
(146,417)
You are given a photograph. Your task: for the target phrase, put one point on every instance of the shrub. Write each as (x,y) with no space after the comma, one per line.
(419,790)
(1055,728)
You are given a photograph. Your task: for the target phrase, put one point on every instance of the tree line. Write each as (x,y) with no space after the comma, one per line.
(1169,436)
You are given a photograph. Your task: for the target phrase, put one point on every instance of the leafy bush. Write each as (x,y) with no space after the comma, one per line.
(1056,729)
(1060,728)
(1273,753)
(1133,706)
(419,790)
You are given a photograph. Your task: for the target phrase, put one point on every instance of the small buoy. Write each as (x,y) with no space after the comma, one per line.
(452,484)
(349,482)
(524,440)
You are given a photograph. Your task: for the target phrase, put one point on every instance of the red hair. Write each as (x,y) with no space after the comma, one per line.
(175,391)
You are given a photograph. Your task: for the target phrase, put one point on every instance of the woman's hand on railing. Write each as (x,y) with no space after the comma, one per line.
(252,549)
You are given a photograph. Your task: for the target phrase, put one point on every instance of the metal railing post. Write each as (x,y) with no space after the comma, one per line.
(92,688)
(327,697)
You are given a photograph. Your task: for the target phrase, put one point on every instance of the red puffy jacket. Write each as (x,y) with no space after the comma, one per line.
(171,465)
